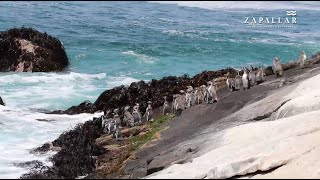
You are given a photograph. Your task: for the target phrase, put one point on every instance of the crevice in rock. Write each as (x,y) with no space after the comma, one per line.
(153,170)
(268,115)
(259,172)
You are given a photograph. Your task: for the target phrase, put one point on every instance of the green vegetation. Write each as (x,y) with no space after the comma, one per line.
(154,127)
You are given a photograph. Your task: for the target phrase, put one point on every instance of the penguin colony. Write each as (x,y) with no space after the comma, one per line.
(190,97)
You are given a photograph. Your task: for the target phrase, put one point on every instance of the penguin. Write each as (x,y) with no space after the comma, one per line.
(230,84)
(190,96)
(136,114)
(117,133)
(252,75)
(149,112)
(111,124)
(128,118)
(302,59)
(211,93)
(179,103)
(277,67)
(166,106)
(183,99)
(199,94)
(116,117)
(245,80)
(238,81)
(260,75)
(174,103)
(203,91)
(106,120)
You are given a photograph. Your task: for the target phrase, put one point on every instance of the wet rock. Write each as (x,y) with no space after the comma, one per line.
(42,149)
(289,65)
(29,164)
(77,156)
(84,107)
(28,50)
(1,102)
(46,120)
(142,92)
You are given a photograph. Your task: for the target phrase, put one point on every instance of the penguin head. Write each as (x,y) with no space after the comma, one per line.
(127,108)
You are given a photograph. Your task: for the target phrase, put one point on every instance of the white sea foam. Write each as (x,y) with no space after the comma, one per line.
(42,90)
(142,58)
(118,81)
(24,92)
(166,20)
(273,5)
(20,132)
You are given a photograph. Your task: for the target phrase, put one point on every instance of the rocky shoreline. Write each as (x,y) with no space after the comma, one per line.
(101,156)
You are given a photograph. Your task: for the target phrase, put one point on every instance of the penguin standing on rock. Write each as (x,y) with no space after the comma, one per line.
(277,67)
(245,80)
(166,106)
(117,125)
(252,75)
(260,76)
(230,84)
(238,82)
(136,114)
(302,59)
(211,92)
(149,112)
(128,118)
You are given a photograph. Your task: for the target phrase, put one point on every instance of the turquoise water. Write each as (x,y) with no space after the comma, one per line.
(115,43)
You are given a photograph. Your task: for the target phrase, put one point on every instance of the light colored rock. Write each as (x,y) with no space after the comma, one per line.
(291,142)
(253,147)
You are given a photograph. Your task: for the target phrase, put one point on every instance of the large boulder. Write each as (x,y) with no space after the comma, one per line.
(28,50)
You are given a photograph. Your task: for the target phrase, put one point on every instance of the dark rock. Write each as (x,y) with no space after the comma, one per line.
(84,107)
(268,71)
(46,120)
(77,156)
(29,164)
(43,149)
(141,92)
(289,65)
(1,102)
(28,50)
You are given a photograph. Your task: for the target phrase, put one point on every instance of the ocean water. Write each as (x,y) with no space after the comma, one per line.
(116,43)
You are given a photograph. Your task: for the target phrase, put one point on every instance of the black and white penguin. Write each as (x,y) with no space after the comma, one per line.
(166,107)
(211,94)
(252,77)
(127,117)
(302,59)
(149,112)
(277,67)
(245,79)
(238,81)
(136,114)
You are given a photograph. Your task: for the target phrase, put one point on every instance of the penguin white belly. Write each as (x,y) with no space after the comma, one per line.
(245,81)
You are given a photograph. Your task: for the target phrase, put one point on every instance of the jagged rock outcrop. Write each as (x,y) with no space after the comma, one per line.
(76,156)
(28,50)
(141,92)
